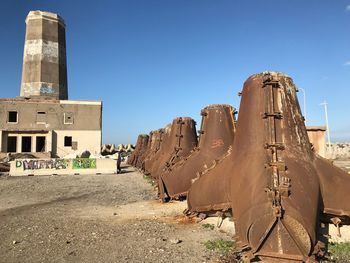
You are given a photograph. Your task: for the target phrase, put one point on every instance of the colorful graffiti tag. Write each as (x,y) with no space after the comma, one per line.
(84,163)
(43,164)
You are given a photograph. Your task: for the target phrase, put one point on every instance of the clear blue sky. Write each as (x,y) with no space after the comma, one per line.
(152,60)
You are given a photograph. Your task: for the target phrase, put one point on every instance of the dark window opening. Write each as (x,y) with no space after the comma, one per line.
(68,141)
(26,144)
(68,118)
(41,117)
(11,144)
(40,144)
(12,116)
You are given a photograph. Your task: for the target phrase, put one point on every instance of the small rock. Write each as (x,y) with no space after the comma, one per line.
(114,213)
(175,241)
(15,242)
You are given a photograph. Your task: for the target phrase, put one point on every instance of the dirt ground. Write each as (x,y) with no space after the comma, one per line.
(97,218)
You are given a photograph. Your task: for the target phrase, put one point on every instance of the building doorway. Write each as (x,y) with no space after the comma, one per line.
(12,144)
(40,144)
(26,144)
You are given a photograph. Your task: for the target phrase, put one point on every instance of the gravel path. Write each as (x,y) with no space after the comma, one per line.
(97,218)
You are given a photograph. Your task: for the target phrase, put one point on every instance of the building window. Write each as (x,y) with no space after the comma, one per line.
(12,144)
(26,144)
(12,117)
(40,144)
(68,141)
(68,118)
(41,117)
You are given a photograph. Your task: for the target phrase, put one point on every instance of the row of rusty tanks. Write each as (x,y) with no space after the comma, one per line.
(177,140)
(174,159)
(215,140)
(142,141)
(279,190)
(145,150)
(151,153)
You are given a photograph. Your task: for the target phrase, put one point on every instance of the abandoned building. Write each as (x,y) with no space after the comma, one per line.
(42,121)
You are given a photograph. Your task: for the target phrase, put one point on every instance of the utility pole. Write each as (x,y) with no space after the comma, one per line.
(327,126)
(304,93)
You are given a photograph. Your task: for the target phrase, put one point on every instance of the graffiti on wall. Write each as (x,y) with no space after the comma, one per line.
(43,164)
(47,90)
(84,163)
(37,164)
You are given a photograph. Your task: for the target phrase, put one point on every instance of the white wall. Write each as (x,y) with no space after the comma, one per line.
(87,140)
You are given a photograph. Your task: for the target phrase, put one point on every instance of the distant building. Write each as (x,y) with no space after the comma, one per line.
(317,137)
(42,120)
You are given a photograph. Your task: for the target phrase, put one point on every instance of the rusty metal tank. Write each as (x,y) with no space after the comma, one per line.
(145,150)
(142,149)
(142,146)
(153,157)
(180,139)
(335,185)
(216,137)
(208,193)
(135,152)
(274,186)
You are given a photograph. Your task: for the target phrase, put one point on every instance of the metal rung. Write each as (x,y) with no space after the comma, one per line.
(277,115)
(277,145)
(271,82)
(281,166)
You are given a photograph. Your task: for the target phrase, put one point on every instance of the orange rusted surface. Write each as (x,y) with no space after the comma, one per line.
(273,183)
(278,188)
(179,139)
(145,150)
(132,156)
(216,137)
(154,153)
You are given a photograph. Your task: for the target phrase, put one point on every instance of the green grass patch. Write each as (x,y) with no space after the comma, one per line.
(220,245)
(340,252)
(208,226)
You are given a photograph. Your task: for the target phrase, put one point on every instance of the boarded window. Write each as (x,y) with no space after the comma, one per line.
(26,144)
(41,117)
(12,144)
(12,117)
(68,141)
(68,118)
(40,144)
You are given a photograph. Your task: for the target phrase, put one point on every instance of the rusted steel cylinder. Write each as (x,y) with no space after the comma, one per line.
(335,185)
(216,136)
(154,155)
(140,141)
(131,158)
(180,140)
(209,192)
(274,185)
(143,148)
(154,147)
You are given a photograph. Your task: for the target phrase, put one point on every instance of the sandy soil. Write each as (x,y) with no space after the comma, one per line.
(97,218)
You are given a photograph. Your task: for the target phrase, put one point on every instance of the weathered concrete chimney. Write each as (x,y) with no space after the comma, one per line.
(44,72)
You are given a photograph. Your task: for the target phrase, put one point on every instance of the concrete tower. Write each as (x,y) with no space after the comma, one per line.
(44,72)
